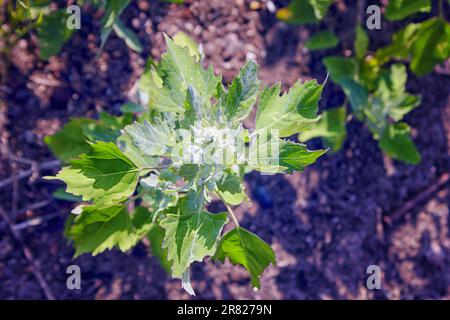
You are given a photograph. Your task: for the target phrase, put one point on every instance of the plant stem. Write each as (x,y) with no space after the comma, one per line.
(230,211)
(441,8)
(137,196)
(360,5)
(233,217)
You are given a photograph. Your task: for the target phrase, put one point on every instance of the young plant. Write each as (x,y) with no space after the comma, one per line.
(186,147)
(425,44)
(51,25)
(377,96)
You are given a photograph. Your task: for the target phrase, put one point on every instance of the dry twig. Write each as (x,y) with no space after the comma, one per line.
(52,164)
(421,197)
(29,256)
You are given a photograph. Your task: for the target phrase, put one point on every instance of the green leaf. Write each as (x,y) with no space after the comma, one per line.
(390,100)
(107,128)
(322,40)
(131,107)
(247,249)
(188,171)
(156,237)
(193,109)
(400,9)
(113,10)
(427,44)
(242,92)
(191,237)
(53,33)
(152,139)
(142,221)
(157,199)
(70,141)
(230,188)
(293,112)
(396,142)
(182,40)
(104,175)
(361,43)
(331,128)
(179,70)
(295,156)
(392,92)
(432,46)
(343,72)
(127,35)
(133,153)
(61,194)
(304,11)
(96,230)
(400,46)
(159,98)
(192,202)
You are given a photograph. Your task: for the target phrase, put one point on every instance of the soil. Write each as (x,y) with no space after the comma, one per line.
(326,224)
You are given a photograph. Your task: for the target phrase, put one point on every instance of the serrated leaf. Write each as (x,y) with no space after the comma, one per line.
(396,142)
(152,139)
(70,141)
(389,101)
(321,41)
(191,237)
(247,249)
(104,175)
(242,93)
(230,188)
(157,96)
(53,33)
(182,40)
(178,69)
(133,153)
(290,113)
(96,230)
(331,128)
(107,128)
(392,91)
(275,155)
(400,9)
(295,156)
